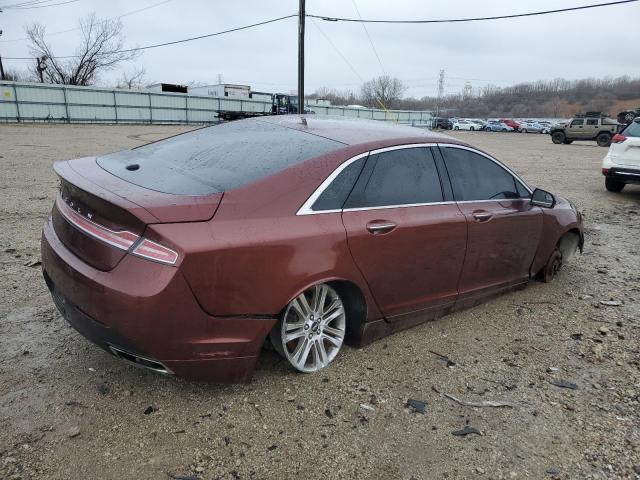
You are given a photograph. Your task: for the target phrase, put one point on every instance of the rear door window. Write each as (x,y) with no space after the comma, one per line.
(400,177)
(476,177)
(334,196)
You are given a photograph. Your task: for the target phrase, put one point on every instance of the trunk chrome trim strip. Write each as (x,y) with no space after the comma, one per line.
(122,240)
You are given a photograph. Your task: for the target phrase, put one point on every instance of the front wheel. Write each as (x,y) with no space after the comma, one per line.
(558,137)
(553,266)
(613,185)
(456,128)
(471,128)
(488,129)
(312,329)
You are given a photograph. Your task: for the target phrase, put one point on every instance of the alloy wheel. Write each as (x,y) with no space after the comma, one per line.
(312,329)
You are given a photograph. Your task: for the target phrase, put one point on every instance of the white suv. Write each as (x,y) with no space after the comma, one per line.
(622,163)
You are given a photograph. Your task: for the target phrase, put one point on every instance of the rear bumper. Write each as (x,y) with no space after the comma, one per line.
(621,174)
(147,310)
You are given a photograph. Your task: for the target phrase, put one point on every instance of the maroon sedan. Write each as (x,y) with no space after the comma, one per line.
(184,255)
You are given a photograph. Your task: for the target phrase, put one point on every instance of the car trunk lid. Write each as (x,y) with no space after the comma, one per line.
(99,217)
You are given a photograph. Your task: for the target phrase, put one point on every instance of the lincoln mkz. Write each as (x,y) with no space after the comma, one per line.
(186,255)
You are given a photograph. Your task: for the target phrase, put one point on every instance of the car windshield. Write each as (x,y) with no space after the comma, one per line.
(632,130)
(215,159)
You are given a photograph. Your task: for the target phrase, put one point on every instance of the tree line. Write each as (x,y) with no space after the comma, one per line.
(543,98)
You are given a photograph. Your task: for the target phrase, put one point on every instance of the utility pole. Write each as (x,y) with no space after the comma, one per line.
(301,18)
(440,92)
(2,77)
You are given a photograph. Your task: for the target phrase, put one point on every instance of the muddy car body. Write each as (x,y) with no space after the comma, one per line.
(185,255)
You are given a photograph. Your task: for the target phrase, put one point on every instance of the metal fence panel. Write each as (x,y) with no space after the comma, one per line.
(8,111)
(128,114)
(30,94)
(23,101)
(131,98)
(91,113)
(37,111)
(88,97)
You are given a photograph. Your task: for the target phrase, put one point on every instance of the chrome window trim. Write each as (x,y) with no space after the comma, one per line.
(305,209)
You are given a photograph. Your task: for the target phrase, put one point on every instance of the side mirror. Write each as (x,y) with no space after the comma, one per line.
(542,198)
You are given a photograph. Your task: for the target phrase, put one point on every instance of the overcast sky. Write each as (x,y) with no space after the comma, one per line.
(592,43)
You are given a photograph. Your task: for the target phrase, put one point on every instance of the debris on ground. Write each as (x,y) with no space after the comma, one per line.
(610,303)
(417,406)
(102,389)
(73,432)
(149,410)
(480,403)
(467,430)
(450,363)
(564,384)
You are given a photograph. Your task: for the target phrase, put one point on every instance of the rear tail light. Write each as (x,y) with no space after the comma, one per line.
(618,138)
(122,239)
(156,252)
(605,171)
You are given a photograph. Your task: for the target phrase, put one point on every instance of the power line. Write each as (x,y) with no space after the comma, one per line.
(132,12)
(36,5)
(364,26)
(175,42)
(337,51)
(475,19)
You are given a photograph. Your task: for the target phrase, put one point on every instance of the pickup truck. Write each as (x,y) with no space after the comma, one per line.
(592,126)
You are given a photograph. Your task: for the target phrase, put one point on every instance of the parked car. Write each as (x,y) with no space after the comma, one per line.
(481,123)
(590,126)
(511,123)
(531,127)
(442,123)
(465,125)
(622,163)
(182,256)
(497,126)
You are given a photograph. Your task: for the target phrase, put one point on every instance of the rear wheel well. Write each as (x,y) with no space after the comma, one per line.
(356,307)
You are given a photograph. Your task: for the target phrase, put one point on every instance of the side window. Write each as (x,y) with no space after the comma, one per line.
(592,121)
(475,177)
(398,177)
(522,192)
(577,123)
(334,196)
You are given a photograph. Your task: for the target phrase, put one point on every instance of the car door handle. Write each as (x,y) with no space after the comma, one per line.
(380,227)
(482,216)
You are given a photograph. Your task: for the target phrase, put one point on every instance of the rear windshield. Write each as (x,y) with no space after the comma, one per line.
(633,130)
(215,159)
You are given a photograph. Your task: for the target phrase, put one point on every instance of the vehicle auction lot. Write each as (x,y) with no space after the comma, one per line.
(70,410)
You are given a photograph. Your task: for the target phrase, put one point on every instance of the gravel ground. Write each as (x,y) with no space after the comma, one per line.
(69,410)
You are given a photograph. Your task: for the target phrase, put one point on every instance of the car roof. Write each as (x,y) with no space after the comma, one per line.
(356,131)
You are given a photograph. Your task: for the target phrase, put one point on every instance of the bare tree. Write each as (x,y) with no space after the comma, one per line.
(100,49)
(133,79)
(383,91)
(16,75)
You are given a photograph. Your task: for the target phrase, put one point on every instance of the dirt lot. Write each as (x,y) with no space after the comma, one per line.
(69,410)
